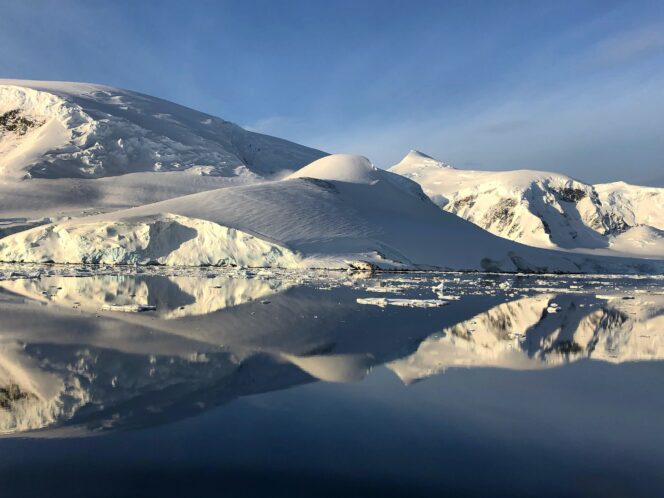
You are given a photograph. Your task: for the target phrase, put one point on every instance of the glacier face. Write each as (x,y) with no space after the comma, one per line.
(161,239)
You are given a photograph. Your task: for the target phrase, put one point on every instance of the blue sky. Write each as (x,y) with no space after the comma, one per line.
(575,87)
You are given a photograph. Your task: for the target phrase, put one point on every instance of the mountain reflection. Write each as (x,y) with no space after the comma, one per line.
(68,367)
(542,331)
(172,296)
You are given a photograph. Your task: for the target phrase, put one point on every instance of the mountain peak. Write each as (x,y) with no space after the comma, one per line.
(416,154)
(415,157)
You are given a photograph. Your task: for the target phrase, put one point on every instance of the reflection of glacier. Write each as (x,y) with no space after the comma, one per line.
(173,296)
(68,368)
(45,379)
(542,331)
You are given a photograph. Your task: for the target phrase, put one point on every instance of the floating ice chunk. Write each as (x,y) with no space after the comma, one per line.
(411,303)
(609,297)
(360,265)
(385,289)
(128,308)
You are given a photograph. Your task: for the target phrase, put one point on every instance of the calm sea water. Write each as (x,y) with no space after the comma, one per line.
(275,384)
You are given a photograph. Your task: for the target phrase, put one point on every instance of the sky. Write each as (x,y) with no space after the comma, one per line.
(575,87)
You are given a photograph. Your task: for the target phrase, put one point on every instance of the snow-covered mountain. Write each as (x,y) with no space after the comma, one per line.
(337,212)
(546,209)
(94,174)
(72,148)
(70,130)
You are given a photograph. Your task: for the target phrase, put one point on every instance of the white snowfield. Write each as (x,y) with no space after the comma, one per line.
(338,212)
(72,147)
(547,210)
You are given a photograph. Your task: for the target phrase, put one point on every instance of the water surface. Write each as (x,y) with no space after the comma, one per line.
(263,383)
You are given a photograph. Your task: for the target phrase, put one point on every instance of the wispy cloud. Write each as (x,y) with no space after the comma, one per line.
(631,45)
(274,125)
(506,126)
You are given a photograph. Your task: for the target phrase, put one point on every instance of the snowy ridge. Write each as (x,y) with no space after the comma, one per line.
(337,212)
(92,131)
(420,158)
(634,205)
(546,209)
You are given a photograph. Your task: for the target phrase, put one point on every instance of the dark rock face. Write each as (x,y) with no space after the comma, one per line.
(567,347)
(321,183)
(10,394)
(465,202)
(13,121)
(571,194)
(502,215)
(616,224)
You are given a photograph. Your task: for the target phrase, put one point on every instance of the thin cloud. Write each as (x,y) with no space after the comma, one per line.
(631,45)
(274,125)
(506,126)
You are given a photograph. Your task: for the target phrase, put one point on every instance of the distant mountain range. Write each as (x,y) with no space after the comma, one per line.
(546,209)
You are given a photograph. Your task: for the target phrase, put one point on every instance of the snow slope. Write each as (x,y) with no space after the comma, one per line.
(632,204)
(69,147)
(546,209)
(338,211)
